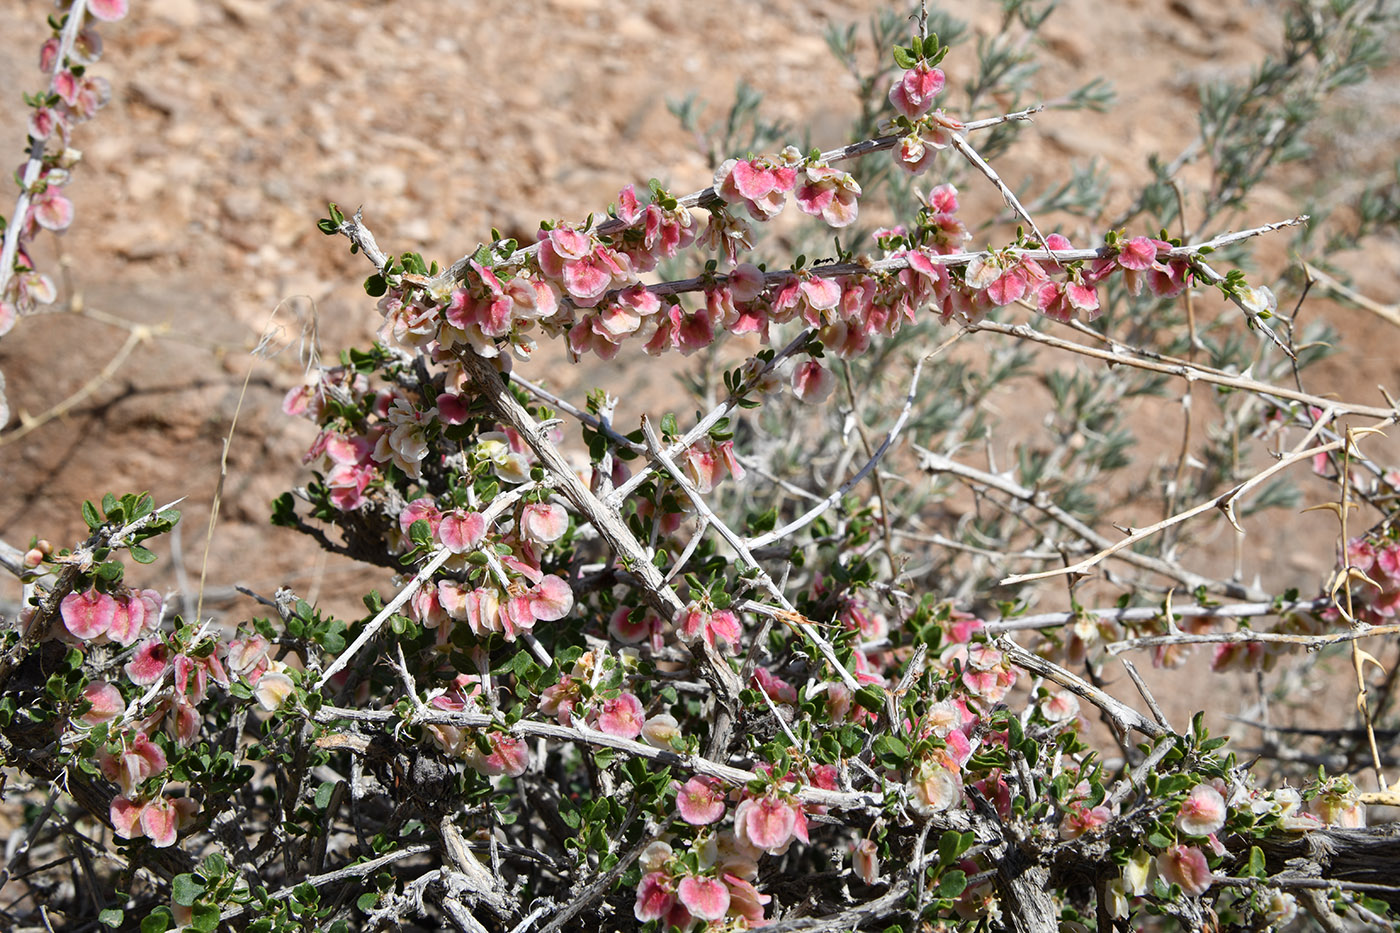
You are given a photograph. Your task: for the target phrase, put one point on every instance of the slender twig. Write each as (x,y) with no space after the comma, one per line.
(1185,371)
(817,510)
(790,614)
(1147,613)
(331,877)
(1123,716)
(1039,499)
(1223,502)
(1248,636)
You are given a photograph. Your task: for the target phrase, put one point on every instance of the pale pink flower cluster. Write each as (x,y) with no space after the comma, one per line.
(616,712)
(74,96)
(94,617)
(764,823)
(1379,559)
(505,754)
(761,185)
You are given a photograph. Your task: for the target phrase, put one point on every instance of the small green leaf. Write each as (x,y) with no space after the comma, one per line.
(205,919)
(94,521)
(142,555)
(870,697)
(184,890)
(952,883)
(158,921)
(111,917)
(949,846)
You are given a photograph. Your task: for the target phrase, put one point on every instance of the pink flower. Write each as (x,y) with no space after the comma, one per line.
(1202,812)
(87,615)
(108,10)
(509,755)
(935,785)
(913,94)
(107,703)
(149,663)
(128,620)
(137,762)
(160,821)
(760,184)
(865,861)
(551,599)
(544,522)
(423,509)
(661,731)
(273,689)
(1137,254)
(460,530)
(830,194)
(632,626)
(706,462)
(812,383)
(1080,820)
(248,657)
(1186,866)
(778,689)
(706,898)
(126,818)
(720,628)
(745,900)
(655,896)
(699,802)
(621,716)
(767,822)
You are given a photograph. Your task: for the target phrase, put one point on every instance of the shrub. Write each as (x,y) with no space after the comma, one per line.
(757,666)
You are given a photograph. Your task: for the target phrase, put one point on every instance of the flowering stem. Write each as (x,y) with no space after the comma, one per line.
(30,173)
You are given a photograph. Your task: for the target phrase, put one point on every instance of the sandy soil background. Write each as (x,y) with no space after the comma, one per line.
(235,121)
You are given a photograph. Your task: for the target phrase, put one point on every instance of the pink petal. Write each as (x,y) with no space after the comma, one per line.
(812,383)
(822,294)
(1138,253)
(768,822)
(621,716)
(126,818)
(161,822)
(699,802)
(627,208)
(585,278)
(544,522)
(109,10)
(654,897)
(127,621)
(451,409)
(149,663)
(87,615)
(52,210)
(106,700)
(552,599)
(461,531)
(705,898)
(1007,289)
